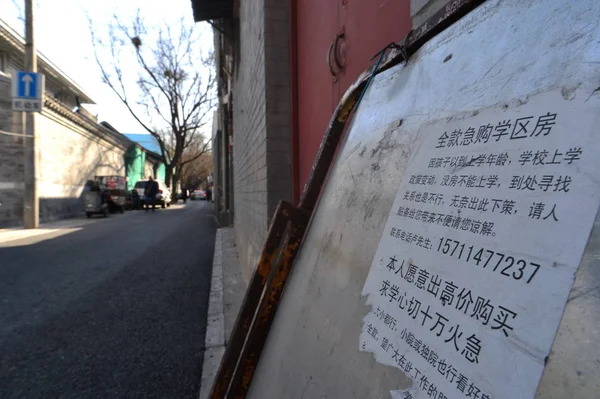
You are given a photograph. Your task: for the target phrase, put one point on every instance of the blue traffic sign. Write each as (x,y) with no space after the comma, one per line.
(27,85)
(27,91)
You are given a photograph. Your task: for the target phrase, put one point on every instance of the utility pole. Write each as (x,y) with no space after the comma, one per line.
(31,209)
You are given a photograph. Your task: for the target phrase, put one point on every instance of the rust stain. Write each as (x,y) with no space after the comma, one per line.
(346,109)
(268,307)
(268,258)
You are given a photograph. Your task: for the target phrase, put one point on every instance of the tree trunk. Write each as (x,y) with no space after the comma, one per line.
(175,179)
(168,175)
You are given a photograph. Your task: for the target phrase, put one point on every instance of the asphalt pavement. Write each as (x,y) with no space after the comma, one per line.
(115,308)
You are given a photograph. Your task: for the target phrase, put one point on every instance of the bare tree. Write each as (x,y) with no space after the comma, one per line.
(170,92)
(195,173)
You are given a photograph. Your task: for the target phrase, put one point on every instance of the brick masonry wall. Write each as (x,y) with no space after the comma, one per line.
(261,124)
(11,178)
(279,137)
(11,160)
(249,136)
(5,113)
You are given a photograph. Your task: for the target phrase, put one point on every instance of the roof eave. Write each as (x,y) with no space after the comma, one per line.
(205,10)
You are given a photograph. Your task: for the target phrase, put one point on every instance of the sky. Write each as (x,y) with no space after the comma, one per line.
(62,34)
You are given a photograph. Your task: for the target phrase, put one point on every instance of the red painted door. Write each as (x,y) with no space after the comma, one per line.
(316,23)
(334,43)
(368,26)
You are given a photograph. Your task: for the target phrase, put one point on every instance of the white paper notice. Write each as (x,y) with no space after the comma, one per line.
(479,253)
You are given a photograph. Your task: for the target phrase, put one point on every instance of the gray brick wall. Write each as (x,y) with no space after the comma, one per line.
(279,160)
(11,161)
(5,113)
(249,135)
(261,124)
(11,176)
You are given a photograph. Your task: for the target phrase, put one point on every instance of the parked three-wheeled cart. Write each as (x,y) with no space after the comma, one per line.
(94,199)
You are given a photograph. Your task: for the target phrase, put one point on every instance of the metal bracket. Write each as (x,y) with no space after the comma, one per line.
(338,37)
(333,48)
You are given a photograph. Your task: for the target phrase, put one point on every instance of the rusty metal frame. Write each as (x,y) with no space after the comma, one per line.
(270,254)
(289,223)
(298,221)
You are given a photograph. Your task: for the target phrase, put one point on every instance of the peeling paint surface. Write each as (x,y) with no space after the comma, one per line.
(506,56)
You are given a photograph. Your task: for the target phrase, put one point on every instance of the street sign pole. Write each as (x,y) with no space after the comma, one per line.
(30,197)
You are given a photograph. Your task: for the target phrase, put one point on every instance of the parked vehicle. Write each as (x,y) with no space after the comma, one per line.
(198,195)
(115,192)
(184,195)
(94,199)
(136,200)
(116,200)
(163,198)
(164,194)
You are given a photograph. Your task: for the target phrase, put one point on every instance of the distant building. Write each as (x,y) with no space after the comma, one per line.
(153,154)
(143,159)
(147,141)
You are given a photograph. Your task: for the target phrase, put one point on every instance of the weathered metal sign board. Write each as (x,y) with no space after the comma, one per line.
(444,259)
(478,255)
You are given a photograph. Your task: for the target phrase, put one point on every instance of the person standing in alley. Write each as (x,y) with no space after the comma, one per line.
(184,195)
(150,191)
(208,194)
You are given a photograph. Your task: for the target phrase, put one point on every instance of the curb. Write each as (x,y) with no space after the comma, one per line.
(214,344)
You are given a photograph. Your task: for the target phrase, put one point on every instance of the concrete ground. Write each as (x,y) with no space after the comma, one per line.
(227,293)
(108,308)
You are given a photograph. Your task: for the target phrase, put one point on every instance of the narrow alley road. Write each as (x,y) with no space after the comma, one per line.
(115,308)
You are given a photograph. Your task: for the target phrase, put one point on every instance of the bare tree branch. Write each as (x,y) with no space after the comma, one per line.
(175,93)
(18,6)
(196,166)
(192,157)
(195,173)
